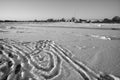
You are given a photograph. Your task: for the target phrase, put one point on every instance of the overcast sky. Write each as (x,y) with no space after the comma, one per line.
(43,9)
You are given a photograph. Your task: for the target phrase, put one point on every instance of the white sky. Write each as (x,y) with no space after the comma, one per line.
(43,9)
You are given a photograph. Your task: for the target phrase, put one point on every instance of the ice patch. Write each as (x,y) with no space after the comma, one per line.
(105,37)
(101,37)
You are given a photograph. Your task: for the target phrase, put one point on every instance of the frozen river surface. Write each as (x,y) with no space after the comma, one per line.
(97,46)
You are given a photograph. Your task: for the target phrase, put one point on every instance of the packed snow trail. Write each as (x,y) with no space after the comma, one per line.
(41,60)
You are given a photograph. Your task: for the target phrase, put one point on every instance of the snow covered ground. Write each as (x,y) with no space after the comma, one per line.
(97,45)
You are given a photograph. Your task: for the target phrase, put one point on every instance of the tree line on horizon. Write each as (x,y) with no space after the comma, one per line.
(115,19)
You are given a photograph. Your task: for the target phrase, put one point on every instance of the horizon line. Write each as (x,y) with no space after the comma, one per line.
(57,18)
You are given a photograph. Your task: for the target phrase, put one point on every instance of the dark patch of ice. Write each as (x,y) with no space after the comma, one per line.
(3,31)
(115,38)
(12,27)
